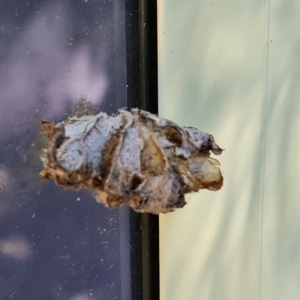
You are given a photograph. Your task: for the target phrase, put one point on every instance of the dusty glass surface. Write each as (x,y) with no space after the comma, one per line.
(57,244)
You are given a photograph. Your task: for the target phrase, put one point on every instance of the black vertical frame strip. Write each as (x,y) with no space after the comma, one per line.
(142,92)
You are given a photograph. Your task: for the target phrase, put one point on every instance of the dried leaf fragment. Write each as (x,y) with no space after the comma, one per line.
(134,157)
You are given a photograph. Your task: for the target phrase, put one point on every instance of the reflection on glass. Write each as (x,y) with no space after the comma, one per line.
(56,244)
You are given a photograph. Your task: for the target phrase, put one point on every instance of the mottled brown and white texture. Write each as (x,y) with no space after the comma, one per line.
(134,157)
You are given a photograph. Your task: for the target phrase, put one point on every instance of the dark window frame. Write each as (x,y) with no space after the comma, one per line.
(142,92)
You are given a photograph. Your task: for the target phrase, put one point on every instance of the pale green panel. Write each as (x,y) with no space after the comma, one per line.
(211,62)
(281,243)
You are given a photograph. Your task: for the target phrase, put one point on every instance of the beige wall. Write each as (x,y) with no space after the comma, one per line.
(232,68)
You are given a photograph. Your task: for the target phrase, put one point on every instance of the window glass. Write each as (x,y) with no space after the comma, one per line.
(57,244)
